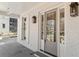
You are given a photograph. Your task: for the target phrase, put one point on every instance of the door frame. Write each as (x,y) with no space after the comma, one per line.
(62,7)
(39,26)
(57,29)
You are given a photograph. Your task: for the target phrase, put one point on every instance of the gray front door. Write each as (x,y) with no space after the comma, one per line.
(50,41)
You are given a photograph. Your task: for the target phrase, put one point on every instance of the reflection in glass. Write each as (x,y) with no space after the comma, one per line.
(13,25)
(62,22)
(61,25)
(42,27)
(23,28)
(51,26)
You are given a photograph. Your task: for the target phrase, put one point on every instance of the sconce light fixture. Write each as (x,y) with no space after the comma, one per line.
(34,19)
(74,9)
(24,19)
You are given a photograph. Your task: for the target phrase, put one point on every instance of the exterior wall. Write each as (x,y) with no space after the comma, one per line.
(4,20)
(72,34)
(34,29)
(33,33)
(31,37)
(71,47)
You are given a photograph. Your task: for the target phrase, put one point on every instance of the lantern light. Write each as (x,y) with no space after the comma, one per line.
(74,9)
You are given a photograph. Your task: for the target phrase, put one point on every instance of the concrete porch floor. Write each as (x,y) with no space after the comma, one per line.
(11,48)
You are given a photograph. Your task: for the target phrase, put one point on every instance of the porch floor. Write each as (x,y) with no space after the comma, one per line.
(11,48)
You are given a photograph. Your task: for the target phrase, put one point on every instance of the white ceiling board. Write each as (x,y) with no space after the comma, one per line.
(17,7)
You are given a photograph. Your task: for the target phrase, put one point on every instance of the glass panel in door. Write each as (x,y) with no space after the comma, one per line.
(50,41)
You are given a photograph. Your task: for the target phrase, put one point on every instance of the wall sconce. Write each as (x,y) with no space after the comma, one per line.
(24,19)
(74,9)
(34,19)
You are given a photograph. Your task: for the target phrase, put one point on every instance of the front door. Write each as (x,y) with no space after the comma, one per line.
(50,41)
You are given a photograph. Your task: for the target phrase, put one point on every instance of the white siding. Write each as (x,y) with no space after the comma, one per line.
(4,20)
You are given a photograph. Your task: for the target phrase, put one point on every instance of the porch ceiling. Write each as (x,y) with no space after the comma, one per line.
(16,7)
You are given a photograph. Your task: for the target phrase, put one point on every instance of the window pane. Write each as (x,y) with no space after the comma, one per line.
(51,24)
(62,22)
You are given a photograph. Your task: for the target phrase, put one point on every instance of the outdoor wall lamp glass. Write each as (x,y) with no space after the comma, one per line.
(34,19)
(74,9)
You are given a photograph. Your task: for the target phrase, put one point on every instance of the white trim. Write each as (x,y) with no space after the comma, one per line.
(45,54)
(61,7)
(53,7)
